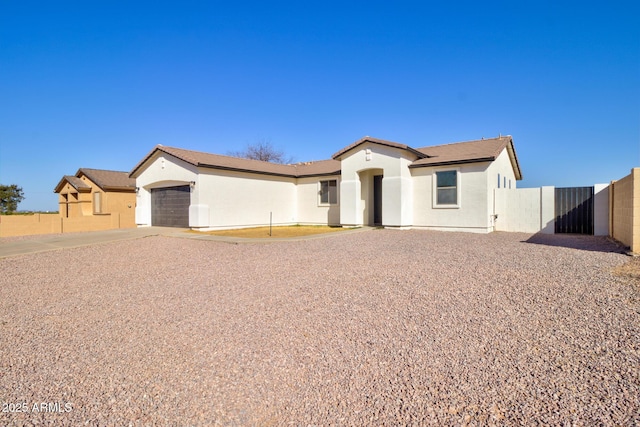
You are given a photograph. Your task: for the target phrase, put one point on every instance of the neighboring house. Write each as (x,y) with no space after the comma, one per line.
(97,192)
(370,182)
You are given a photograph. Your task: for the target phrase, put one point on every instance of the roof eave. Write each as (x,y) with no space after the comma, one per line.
(310,175)
(149,155)
(58,187)
(229,168)
(119,189)
(64,179)
(454,162)
(514,160)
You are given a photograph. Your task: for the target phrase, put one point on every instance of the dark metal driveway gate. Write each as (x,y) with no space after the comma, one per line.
(574,210)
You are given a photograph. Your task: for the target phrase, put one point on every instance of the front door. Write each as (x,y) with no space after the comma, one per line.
(377,200)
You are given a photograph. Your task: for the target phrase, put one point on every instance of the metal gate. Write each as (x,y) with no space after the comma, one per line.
(574,210)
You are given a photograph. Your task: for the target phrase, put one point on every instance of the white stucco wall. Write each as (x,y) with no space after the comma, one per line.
(500,169)
(231,199)
(601,209)
(501,166)
(532,210)
(310,211)
(518,210)
(471,214)
(356,195)
(219,198)
(158,170)
(240,199)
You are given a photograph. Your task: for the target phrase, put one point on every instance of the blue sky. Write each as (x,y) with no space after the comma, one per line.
(98,84)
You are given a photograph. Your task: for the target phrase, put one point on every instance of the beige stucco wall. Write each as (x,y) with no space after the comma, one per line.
(472,212)
(123,204)
(475,210)
(233,199)
(356,200)
(241,199)
(72,203)
(309,208)
(26,225)
(625,210)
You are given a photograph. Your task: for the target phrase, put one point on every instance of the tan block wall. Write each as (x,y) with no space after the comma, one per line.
(625,210)
(93,223)
(25,225)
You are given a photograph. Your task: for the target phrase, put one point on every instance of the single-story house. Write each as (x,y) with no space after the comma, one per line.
(97,192)
(370,182)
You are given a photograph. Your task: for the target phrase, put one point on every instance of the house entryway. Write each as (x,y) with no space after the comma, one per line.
(170,206)
(371,196)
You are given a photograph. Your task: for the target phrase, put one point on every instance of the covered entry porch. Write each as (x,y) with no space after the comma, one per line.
(376,188)
(374,198)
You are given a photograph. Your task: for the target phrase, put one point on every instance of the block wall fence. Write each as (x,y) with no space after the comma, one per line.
(616,210)
(25,225)
(624,204)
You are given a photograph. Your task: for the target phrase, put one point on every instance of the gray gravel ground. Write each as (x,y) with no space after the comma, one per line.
(377,328)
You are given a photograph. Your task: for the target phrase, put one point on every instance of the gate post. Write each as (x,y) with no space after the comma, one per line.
(547,210)
(601,210)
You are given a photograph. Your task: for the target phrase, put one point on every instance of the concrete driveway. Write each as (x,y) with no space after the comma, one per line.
(12,246)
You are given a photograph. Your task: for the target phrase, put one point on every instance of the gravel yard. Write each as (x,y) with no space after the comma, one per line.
(382,327)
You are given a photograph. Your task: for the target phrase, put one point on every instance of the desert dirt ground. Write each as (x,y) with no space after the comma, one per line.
(383,327)
(274,232)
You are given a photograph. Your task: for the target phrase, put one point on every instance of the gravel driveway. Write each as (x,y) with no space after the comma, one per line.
(376,328)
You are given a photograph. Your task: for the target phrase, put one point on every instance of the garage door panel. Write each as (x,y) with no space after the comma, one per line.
(170,206)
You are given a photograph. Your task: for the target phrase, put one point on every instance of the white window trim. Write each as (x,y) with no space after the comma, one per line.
(457,205)
(320,192)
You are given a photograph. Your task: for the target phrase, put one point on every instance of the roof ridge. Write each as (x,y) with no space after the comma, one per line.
(102,170)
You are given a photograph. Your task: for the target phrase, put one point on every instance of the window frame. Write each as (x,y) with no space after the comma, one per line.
(458,203)
(320,192)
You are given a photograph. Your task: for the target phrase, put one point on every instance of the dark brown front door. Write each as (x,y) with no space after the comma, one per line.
(377,200)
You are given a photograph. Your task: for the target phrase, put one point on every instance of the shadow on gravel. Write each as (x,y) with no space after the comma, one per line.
(577,241)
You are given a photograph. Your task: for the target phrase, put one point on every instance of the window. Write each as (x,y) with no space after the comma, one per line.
(447,188)
(498,180)
(97,203)
(329,192)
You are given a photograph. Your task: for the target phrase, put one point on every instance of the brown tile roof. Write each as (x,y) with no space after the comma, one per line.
(109,180)
(455,153)
(469,152)
(377,141)
(318,167)
(217,161)
(75,182)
